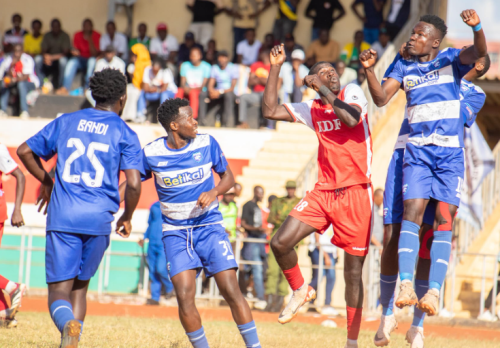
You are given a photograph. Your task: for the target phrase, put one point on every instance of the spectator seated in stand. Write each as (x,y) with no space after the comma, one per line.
(157,85)
(185,48)
(360,78)
(292,74)
(321,12)
(372,19)
(194,79)
(290,46)
(17,71)
(323,49)
(117,40)
(84,52)
(33,41)
(248,49)
(223,78)
(259,72)
(56,46)
(164,45)
(139,61)
(142,38)
(350,53)
(211,54)
(383,43)
(15,35)
(269,42)
(346,74)
(110,60)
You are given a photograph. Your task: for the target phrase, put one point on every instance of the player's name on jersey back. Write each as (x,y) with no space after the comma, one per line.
(92,127)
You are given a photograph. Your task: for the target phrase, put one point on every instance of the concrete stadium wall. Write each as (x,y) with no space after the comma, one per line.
(173,12)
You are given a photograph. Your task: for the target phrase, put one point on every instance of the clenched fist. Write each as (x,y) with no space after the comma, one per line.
(278,55)
(313,81)
(470,18)
(368,58)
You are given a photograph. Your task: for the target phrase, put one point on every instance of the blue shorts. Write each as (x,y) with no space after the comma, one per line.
(68,255)
(393,193)
(207,248)
(432,171)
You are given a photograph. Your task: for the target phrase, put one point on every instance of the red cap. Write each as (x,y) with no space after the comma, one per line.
(161,26)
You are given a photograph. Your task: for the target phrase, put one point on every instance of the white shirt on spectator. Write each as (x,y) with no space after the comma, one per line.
(28,68)
(164,76)
(286,73)
(379,49)
(348,76)
(250,53)
(7,164)
(163,48)
(116,63)
(119,42)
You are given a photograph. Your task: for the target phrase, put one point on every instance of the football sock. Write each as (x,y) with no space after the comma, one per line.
(294,277)
(387,288)
(61,312)
(353,322)
(421,287)
(198,338)
(440,255)
(409,244)
(249,333)
(7,285)
(81,329)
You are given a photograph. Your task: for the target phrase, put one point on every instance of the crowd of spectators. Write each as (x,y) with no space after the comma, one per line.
(227,86)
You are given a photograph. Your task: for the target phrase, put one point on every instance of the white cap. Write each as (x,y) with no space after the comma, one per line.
(298,54)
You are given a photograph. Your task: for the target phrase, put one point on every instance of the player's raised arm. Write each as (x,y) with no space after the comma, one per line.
(470,54)
(381,94)
(132,193)
(270,107)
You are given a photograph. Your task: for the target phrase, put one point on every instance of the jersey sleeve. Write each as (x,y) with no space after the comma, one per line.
(7,164)
(219,162)
(354,96)
(146,172)
(301,112)
(130,151)
(391,67)
(397,72)
(454,56)
(471,105)
(44,143)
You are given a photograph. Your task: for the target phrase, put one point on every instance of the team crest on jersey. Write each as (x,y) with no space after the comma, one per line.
(405,188)
(430,78)
(197,156)
(437,63)
(386,211)
(184,178)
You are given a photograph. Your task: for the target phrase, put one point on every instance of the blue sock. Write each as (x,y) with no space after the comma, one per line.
(421,287)
(81,329)
(198,338)
(387,287)
(61,312)
(440,255)
(409,244)
(249,333)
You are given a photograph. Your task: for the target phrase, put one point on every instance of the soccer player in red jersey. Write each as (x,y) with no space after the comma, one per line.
(342,196)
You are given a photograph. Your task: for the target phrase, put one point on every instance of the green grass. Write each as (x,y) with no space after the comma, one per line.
(37,330)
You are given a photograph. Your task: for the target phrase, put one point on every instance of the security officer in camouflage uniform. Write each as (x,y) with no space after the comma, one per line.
(276,285)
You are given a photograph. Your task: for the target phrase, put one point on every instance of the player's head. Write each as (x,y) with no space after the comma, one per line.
(426,35)
(378,196)
(109,89)
(175,115)
(258,193)
(327,74)
(481,67)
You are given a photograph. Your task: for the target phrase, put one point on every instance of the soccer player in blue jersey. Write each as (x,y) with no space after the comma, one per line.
(92,147)
(182,165)
(471,100)
(433,160)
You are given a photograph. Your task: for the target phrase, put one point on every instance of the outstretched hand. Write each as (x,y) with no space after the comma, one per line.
(368,58)
(278,55)
(470,18)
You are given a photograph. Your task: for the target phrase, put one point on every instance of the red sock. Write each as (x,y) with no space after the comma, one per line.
(3,302)
(3,282)
(294,277)
(353,322)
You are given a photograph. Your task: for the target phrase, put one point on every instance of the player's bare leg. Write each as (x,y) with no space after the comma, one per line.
(61,310)
(185,290)
(388,275)
(79,298)
(409,244)
(283,243)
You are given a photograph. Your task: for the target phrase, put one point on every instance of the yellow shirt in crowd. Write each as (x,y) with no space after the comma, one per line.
(32,45)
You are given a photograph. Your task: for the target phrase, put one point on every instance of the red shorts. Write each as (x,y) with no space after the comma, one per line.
(425,246)
(348,210)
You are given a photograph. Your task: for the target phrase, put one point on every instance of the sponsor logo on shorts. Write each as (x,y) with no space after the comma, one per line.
(405,188)
(360,249)
(197,156)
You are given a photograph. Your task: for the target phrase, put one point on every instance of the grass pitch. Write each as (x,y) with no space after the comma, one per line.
(37,330)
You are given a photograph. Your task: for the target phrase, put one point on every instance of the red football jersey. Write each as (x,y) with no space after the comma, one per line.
(344,154)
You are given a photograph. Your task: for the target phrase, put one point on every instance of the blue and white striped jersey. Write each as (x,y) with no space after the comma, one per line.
(181,176)
(472,99)
(433,98)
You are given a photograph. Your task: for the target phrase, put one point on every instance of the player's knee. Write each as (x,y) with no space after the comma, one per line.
(277,246)
(186,297)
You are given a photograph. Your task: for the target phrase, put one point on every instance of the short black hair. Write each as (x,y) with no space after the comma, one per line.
(111,22)
(437,22)
(36,21)
(487,63)
(160,61)
(169,111)
(55,20)
(315,68)
(108,86)
(88,20)
(17,15)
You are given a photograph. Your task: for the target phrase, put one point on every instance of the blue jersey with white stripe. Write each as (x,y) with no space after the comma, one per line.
(433,98)
(181,176)
(472,99)
(92,146)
